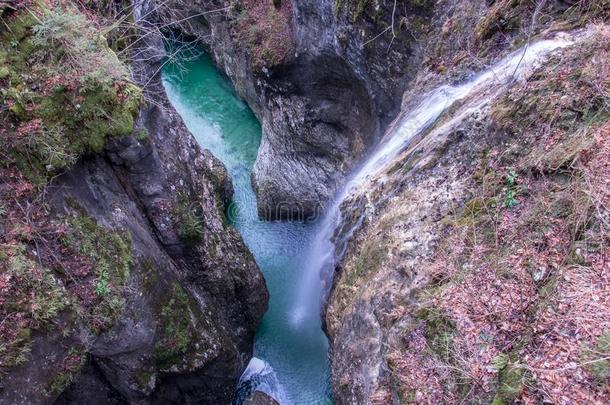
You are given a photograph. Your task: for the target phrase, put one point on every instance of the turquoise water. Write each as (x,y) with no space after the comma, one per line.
(294,346)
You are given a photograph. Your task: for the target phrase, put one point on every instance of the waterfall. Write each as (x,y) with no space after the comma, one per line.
(328,248)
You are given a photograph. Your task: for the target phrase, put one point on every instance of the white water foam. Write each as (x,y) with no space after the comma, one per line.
(324,251)
(259,376)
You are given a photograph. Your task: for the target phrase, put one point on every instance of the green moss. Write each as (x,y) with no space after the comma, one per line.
(76,95)
(474,209)
(142,135)
(14,350)
(69,369)
(439,332)
(406,165)
(144,379)
(110,251)
(176,330)
(338,6)
(503,16)
(418,24)
(189,221)
(149,276)
(369,260)
(60,383)
(597,361)
(34,296)
(511,379)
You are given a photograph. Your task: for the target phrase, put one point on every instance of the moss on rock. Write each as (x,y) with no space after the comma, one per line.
(68,369)
(177,330)
(75,96)
(368,261)
(30,298)
(111,257)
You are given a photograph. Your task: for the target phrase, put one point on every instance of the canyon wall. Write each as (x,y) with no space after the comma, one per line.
(319,78)
(121,280)
(479,271)
(326,79)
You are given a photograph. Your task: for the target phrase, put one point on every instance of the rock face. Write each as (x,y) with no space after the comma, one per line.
(210,294)
(384,260)
(193,296)
(260,398)
(323,78)
(438,299)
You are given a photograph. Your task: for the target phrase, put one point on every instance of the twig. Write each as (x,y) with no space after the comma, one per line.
(393,33)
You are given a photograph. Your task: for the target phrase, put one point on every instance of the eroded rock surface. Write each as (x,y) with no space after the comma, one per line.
(323,78)
(444,294)
(137,229)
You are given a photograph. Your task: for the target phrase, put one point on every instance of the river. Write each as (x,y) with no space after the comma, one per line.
(293,349)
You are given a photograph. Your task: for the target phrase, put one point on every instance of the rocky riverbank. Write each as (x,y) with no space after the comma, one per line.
(479,272)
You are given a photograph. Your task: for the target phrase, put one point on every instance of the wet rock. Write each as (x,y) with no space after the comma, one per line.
(260,398)
(322,105)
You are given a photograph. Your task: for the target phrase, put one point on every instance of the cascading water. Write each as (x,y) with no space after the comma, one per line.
(327,249)
(298,260)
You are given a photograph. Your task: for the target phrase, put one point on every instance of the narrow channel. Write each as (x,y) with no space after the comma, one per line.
(293,348)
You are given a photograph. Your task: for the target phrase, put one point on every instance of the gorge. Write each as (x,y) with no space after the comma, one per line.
(304,202)
(296,352)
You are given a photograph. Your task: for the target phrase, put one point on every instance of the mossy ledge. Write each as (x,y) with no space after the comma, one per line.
(64,90)
(64,93)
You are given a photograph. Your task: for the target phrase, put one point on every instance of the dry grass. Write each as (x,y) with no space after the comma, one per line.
(266,30)
(523,275)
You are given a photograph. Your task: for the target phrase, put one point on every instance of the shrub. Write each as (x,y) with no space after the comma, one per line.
(189,221)
(77,93)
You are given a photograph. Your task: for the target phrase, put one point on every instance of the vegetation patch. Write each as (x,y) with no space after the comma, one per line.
(63,93)
(189,220)
(107,259)
(265,27)
(76,93)
(69,368)
(512,378)
(417,372)
(177,330)
(597,359)
(31,296)
(370,257)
